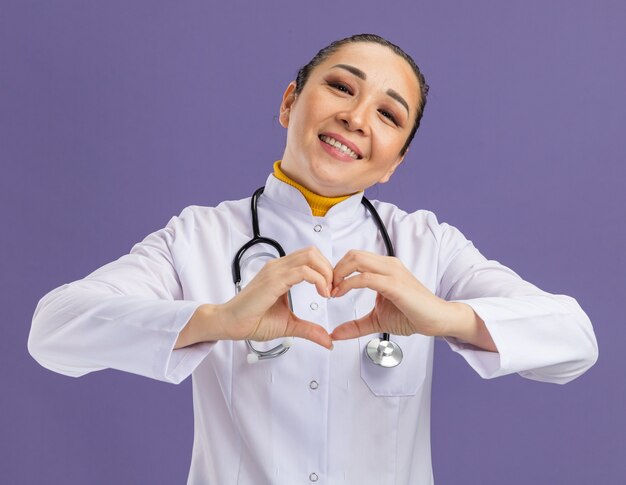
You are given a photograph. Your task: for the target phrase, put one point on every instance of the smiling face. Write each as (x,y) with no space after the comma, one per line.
(348,125)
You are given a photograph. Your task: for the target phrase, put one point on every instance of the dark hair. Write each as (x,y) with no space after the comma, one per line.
(323,54)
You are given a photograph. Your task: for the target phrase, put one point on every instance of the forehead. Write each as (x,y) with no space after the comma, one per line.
(383,67)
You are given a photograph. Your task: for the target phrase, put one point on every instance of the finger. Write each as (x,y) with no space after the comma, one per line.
(313,258)
(363,261)
(310,331)
(379,283)
(356,328)
(278,278)
(274,281)
(308,274)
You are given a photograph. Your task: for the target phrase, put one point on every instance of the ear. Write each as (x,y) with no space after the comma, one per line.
(285,107)
(385,178)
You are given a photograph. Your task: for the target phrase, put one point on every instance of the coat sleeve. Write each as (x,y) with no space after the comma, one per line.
(126,315)
(539,335)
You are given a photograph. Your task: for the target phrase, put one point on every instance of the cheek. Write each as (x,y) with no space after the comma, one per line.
(393,145)
(299,133)
(317,106)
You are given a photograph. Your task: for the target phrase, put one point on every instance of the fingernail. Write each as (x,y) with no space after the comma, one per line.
(332,347)
(335,291)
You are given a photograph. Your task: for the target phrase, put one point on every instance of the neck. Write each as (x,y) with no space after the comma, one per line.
(319,204)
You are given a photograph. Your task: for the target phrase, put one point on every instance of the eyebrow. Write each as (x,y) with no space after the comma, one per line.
(361,75)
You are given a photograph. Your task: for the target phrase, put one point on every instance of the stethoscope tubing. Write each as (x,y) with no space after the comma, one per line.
(377,350)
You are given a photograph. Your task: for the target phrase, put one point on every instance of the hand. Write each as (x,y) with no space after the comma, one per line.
(261,310)
(404,306)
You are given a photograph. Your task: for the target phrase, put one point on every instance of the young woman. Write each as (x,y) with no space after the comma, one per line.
(349,403)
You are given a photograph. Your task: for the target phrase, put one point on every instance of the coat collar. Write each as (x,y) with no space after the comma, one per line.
(292,199)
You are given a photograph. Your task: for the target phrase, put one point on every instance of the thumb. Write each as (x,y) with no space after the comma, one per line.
(308,330)
(356,328)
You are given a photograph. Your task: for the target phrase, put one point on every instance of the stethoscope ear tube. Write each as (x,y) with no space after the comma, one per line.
(255,355)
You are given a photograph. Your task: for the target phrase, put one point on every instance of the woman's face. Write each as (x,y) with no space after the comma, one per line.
(363,98)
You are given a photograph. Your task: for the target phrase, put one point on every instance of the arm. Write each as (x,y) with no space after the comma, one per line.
(541,336)
(126,315)
(499,323)
(130,314)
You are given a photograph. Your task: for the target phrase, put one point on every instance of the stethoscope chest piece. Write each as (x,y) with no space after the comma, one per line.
(384,353)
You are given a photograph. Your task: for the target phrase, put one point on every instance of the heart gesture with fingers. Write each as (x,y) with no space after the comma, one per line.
(404,306)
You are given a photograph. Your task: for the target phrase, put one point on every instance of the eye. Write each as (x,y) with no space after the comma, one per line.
(389,116)
(339,86)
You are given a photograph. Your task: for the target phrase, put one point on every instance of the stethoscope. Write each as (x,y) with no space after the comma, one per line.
(381,351)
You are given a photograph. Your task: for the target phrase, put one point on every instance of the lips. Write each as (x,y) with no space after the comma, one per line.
(340,143)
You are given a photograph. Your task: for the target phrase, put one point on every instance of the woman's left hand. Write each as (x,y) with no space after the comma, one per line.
(404,306)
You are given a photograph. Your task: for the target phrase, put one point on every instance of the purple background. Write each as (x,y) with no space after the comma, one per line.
(115,115)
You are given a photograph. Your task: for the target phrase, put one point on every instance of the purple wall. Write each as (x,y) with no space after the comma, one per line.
(115,115)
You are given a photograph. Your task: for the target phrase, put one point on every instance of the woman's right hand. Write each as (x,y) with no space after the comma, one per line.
(260,311)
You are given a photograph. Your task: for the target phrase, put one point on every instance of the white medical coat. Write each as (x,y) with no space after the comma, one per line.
(312,414)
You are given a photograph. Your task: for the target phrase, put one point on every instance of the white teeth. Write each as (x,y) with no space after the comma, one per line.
(339,145)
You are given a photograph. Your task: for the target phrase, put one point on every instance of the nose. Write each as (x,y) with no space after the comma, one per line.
(354,118)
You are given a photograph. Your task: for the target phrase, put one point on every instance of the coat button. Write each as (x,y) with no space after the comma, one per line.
(313,477)
(314,384)
(314,306)
(317,228)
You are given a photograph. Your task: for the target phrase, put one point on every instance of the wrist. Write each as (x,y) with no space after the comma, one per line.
(203,326)
(209,326)
(466,325)
(458,321)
